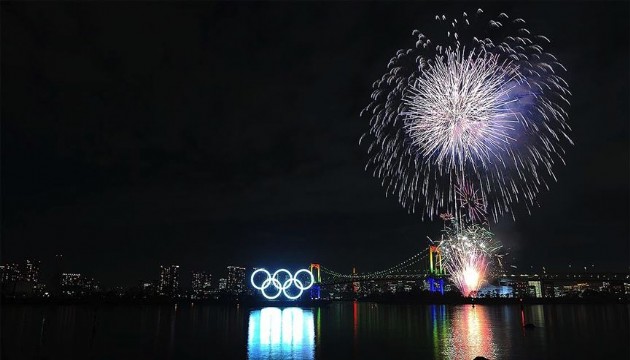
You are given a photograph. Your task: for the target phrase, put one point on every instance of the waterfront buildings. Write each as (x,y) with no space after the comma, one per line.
(235,283)
(74,284)
(22,279)
(31,271)
(9,273)
(222,284)
(28,272)
(169,280)
(201,284)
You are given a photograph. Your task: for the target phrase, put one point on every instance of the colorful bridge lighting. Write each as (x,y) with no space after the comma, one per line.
(316,289)
(436,271)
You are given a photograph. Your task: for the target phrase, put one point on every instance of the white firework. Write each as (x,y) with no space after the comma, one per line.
(460,109)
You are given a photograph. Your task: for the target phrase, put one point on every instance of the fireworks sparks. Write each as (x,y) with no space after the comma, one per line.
(459,110)
(472,204)
(468,252)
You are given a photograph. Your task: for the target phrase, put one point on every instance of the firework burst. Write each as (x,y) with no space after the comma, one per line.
(468,252)
(479,103)
(470,202)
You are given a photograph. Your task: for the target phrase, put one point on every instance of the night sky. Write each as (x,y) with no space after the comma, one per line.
(214,134)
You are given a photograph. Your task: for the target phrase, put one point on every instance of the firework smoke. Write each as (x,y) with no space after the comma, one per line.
(478,104)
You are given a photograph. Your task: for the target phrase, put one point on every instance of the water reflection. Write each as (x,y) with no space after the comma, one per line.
(471,334)
(439,328)
(382,332)
(281,333)
(355,325)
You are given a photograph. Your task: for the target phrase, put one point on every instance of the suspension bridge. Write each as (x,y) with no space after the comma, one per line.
(421,266)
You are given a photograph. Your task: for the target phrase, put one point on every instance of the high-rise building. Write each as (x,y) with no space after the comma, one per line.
(201,284)
(69,279)
(71,284)
(169,280)
(235,280)
(222,284)
(31,271)
(10,273)
(534,289)
(519,288)
(21,279)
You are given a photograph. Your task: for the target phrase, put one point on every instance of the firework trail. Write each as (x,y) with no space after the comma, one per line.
(468,252)
(477,105)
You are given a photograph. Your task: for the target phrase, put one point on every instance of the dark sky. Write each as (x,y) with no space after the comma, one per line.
(136,134)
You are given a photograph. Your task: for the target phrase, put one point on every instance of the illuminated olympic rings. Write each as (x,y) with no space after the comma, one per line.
(281,288)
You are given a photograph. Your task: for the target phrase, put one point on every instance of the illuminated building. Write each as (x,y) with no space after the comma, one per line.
(520,288)
(169,280)
(22,279)
(10,273)
(201,284)
(500,290)
(534,289)
(70,279)
(392,287)
(222,284)
(614,287)
(368,288)
(31,271)
(146,289)
(73,284)
(235,283)
(548,290)
(9,277)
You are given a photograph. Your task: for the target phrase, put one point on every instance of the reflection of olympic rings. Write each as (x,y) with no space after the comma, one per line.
(281,287)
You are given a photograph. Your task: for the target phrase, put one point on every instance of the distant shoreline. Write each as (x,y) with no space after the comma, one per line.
(257,303)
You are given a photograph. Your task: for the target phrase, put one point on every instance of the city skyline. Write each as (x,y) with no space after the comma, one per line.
(236,141)
(166,282)
(30,270)
(24,282)
(315,180)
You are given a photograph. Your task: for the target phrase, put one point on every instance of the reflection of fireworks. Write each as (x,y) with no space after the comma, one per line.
(459,109)
(467,252)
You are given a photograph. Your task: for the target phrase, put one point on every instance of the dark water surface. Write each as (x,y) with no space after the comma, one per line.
(342,330)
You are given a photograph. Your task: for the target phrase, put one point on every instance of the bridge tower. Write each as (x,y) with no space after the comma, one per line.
(355,284)
(316,288)
(436,271)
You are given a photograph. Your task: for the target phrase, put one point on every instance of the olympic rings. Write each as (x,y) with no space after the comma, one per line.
(291,279)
